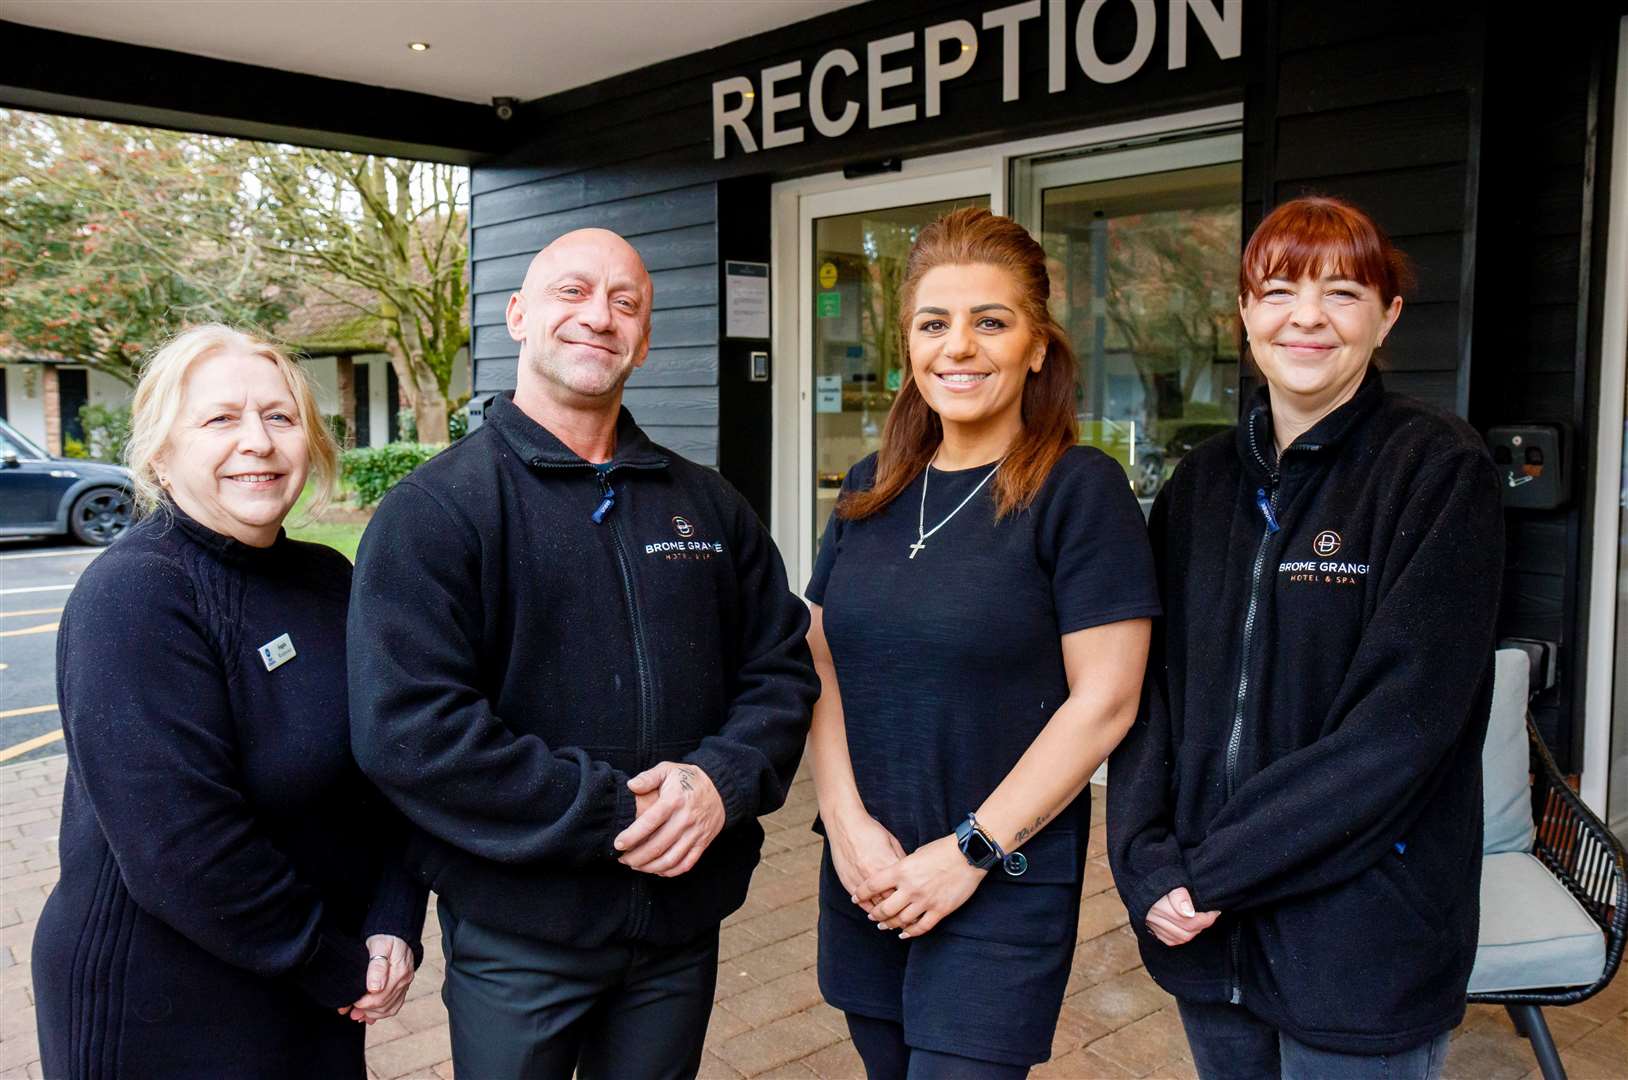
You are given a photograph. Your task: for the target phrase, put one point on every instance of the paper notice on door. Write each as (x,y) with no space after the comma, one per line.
(746,299)
(827,393)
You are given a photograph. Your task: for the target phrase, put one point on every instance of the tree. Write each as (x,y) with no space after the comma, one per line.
(112,236)
(1171,280)
(396,228)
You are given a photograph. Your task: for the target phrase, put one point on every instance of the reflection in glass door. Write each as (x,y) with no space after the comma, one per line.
(1143,247)
(859,262)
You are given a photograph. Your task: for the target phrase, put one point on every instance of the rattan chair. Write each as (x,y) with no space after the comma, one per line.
(1581,856)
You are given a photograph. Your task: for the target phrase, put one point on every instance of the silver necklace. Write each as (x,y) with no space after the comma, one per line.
(922,532)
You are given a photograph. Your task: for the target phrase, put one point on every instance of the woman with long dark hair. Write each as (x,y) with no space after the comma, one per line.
(981,607)
(1295,821)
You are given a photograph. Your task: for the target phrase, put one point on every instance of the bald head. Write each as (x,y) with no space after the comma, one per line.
(582,248)
(582,317)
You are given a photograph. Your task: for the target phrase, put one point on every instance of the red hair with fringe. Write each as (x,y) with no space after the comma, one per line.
(1316,236)
(972,236)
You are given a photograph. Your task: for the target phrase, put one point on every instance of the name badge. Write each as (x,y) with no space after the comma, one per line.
(277,652)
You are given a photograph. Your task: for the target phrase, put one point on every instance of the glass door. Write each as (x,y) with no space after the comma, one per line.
(859,362)
(1143,245)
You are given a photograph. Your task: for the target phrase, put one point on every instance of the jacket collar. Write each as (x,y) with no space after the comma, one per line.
(538,446)
(1259,450)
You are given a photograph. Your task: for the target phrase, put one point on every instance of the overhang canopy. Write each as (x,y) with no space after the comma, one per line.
(339,72)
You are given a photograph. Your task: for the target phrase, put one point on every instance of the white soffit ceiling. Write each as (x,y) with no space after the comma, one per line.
(479,49)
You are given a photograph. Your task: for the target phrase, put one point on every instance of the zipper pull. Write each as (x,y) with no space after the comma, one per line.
(606,503)
(1265,506)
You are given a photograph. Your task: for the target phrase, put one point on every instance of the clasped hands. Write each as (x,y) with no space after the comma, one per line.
(389,973)
(1174,921)
(909,893)
(677,814)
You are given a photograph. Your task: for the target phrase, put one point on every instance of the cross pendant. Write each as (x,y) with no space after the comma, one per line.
(917,546)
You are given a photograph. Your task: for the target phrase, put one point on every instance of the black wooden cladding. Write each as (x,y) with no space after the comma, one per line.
(1383,117)
(630,217)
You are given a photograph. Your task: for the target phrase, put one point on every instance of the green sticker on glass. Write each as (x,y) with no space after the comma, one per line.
(829,305)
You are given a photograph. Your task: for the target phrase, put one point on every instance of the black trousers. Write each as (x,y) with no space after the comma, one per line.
(524,1009)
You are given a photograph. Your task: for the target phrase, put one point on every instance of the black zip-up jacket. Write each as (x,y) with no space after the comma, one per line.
(527,633)
(1308,756)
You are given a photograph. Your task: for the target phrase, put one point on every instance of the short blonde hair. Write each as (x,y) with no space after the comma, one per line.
(157,406)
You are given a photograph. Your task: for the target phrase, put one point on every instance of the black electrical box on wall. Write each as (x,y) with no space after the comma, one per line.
(1532,470)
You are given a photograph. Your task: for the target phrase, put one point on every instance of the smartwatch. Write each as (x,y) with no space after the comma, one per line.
(981,852)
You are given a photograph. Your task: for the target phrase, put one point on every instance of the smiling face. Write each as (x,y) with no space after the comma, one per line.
(1313,338)
(582,317)
(971,347)
(237,458)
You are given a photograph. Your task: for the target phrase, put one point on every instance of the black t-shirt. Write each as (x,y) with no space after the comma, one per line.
(950,663)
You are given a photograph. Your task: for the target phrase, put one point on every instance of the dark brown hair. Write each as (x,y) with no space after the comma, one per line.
(1318,234)
(975,237)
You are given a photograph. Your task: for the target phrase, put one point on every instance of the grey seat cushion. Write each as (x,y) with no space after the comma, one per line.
(1534,934)
(1506,759)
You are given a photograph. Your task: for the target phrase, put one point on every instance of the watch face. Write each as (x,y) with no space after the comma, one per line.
(977,849)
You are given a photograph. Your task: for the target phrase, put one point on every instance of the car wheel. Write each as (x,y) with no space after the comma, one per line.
(99,516)
(1149,475)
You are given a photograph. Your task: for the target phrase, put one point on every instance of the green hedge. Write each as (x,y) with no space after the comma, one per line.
(370,471)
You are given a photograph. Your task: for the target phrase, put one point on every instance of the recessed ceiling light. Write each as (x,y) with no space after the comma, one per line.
(419,46)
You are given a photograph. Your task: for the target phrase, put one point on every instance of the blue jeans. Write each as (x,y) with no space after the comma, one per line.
(1230,1043)
(523,1009)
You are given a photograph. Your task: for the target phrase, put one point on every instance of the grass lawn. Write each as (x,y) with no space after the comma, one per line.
(341,536)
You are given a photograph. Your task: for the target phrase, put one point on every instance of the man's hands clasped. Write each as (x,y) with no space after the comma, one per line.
(677,815)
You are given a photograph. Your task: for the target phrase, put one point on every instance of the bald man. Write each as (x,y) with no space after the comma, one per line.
(576,666)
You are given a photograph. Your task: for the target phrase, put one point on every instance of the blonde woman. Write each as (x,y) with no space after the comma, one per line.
(232,900)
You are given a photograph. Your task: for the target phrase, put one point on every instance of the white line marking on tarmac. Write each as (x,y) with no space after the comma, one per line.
(32,744)
(36,588)
(92,552)
(43,628)
(29,711)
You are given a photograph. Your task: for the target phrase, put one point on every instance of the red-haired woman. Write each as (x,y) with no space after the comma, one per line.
(1294,823)
(980,625)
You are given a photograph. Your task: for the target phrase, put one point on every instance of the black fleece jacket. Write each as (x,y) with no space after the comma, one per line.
(1308,755)
(527,633)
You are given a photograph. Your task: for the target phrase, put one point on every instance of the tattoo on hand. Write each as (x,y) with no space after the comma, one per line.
(686,779)
(1029,830)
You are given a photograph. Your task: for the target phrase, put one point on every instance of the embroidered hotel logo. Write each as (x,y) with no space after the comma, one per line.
(686,547)
(1324,570)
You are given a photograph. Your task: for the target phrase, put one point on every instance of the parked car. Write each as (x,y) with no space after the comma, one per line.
(1185,437)
(44,495)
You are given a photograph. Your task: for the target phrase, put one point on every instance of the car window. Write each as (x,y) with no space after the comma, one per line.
(13,442)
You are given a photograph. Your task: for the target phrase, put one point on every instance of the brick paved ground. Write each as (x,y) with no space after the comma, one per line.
(769,1020)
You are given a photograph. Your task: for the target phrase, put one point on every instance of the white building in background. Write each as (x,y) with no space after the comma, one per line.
(40,395)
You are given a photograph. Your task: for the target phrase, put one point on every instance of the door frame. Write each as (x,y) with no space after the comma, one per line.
(985,170)
(1600,669)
